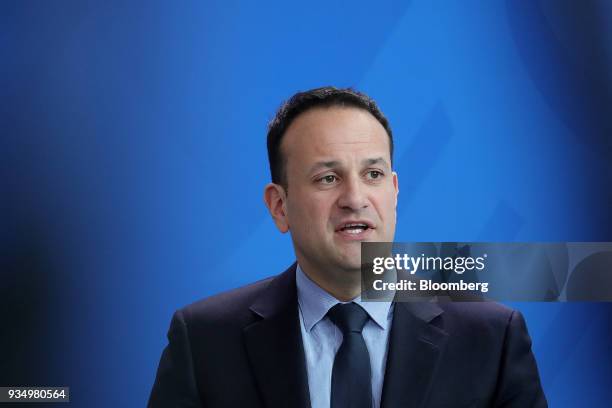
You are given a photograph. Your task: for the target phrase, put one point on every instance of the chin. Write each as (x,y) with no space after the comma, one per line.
(351,261)
(350,269)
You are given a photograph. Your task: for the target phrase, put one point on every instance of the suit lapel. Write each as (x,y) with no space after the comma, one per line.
(415,348)
(274,345)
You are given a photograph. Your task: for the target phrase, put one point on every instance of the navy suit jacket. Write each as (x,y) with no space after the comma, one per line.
(243,348)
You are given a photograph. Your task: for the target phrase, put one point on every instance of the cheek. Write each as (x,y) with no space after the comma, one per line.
(307,212)
(312,214)
(387,207)
(317,214)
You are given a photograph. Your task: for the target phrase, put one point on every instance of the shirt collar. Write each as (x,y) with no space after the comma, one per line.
(315,303)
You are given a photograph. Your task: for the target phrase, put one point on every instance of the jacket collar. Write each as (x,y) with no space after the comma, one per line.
(274,345)
(416,346)
(275,349)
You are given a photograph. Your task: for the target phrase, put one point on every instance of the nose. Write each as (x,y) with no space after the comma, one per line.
(353,195)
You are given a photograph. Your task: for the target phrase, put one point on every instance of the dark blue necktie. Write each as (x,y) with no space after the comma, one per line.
(351,376)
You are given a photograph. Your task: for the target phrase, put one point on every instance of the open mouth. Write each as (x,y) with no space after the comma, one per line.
(354,228)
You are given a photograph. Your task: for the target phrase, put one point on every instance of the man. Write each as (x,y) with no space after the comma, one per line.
(304,338)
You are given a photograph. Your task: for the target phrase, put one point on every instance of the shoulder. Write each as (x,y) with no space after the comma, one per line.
(478,317)
(232,305)
(480,311)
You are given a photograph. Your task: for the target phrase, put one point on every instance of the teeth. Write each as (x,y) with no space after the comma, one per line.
(354,228)
(355,225)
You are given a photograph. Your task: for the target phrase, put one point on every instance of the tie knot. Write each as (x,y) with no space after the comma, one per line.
(349,317)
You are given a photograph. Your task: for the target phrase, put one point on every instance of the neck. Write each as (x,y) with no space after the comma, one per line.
(343,285)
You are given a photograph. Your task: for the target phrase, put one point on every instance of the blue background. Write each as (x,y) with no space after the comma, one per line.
(132,161)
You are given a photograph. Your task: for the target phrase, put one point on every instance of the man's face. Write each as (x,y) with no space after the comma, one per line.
(341,190)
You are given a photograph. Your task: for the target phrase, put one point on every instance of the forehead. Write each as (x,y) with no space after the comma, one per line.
(334,132)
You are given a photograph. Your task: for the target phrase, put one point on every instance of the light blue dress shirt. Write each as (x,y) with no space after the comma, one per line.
(322,339)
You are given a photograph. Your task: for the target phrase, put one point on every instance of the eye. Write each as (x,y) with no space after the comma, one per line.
(329,179)
(374,174)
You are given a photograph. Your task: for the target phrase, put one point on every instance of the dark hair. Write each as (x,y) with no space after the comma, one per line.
(299,103)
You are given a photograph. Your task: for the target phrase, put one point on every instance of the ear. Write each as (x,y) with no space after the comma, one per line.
(396,186)
(275,198)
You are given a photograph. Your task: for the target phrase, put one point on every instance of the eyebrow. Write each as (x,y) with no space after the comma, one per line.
(330,164)
(377,160)
(324,165)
